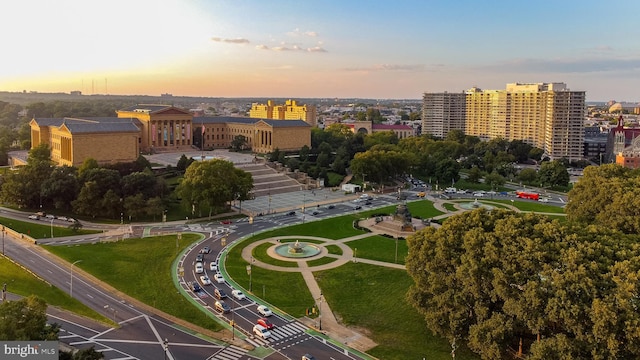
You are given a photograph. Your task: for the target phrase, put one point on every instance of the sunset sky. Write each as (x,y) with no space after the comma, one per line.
(303,49)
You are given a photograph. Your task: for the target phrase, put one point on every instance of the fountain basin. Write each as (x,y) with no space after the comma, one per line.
(297,250)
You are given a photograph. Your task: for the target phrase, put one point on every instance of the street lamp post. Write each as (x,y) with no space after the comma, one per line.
(320,313)
(71,282)
(249,273)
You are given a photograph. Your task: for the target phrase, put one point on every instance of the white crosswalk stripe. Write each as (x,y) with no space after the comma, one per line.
(230,353)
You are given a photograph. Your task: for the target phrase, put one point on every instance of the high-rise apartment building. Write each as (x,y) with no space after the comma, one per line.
(443,112)
(546,115)
(289,111)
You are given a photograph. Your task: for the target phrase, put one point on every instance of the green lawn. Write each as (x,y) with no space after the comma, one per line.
(373,298)
(380,248)
(449,206)
(274,287)
(141,269)
(423,209)
(23,282)
(41,231)
(533,206)
(260,253)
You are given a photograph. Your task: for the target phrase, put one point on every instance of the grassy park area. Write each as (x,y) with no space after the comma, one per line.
(141,269)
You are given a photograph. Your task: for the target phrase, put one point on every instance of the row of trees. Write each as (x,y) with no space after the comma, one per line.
(89,190)
(512,284)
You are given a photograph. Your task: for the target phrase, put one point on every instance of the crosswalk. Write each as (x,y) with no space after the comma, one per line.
(279,334)
(229,353)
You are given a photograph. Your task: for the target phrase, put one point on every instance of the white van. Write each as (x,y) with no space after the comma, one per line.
(450,190)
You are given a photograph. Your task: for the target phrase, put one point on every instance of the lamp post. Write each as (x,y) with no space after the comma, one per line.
(71,282)
(320,313)
(3,240)
(113,312)
(52,228)
(249,273)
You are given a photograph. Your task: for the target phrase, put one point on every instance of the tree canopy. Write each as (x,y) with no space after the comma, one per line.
(500,279)
(210,185)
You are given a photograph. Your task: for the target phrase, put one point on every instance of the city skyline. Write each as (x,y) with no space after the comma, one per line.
(279,49)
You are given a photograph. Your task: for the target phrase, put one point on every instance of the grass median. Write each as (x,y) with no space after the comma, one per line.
(24,283)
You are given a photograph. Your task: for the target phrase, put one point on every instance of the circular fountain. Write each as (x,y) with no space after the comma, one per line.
(297,250)
(475,205)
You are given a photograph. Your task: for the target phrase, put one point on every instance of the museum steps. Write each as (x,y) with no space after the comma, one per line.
(267,180)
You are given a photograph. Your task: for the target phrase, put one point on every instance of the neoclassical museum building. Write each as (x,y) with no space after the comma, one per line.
(147,128)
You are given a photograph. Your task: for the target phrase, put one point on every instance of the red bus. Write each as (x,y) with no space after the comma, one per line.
(527,195)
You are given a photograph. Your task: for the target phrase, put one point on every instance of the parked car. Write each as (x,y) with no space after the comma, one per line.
(331,207)
(261,331)
(221,306)
(478,194)
(34,217)
(315,213)
(239,295)
(264,322)
(195,286)
(199,268)
(264,311)
(218,278)
(213,266)
(204,279)
(63,218)
(71,220)
(358,207)
(50,216)
(219,293)
(225,222)
(291,213)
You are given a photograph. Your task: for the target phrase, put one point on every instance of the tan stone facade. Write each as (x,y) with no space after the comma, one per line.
(289,111)
(153,128)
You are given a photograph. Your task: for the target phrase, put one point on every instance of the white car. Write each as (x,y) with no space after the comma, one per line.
(218,278)
(199,268)
(478,194)
(213,266)
(63,218)
(261,331)
(204,279)
(264,311)
(238,295)
(34,217)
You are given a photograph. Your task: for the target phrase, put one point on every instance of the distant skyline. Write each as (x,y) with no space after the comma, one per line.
(319,49)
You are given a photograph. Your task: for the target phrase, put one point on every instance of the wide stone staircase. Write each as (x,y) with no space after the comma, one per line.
(267,180)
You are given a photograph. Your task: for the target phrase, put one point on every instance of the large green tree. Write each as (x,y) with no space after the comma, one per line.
(505,282)
(210,185)
(26,319)
(606,195)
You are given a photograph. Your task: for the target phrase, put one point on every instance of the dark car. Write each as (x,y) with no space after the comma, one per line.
(315,213)
(200,258)
(332,206)
(195,286)
(291,213)
(358,207)
(368,202)
(219,294)
(205,250)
